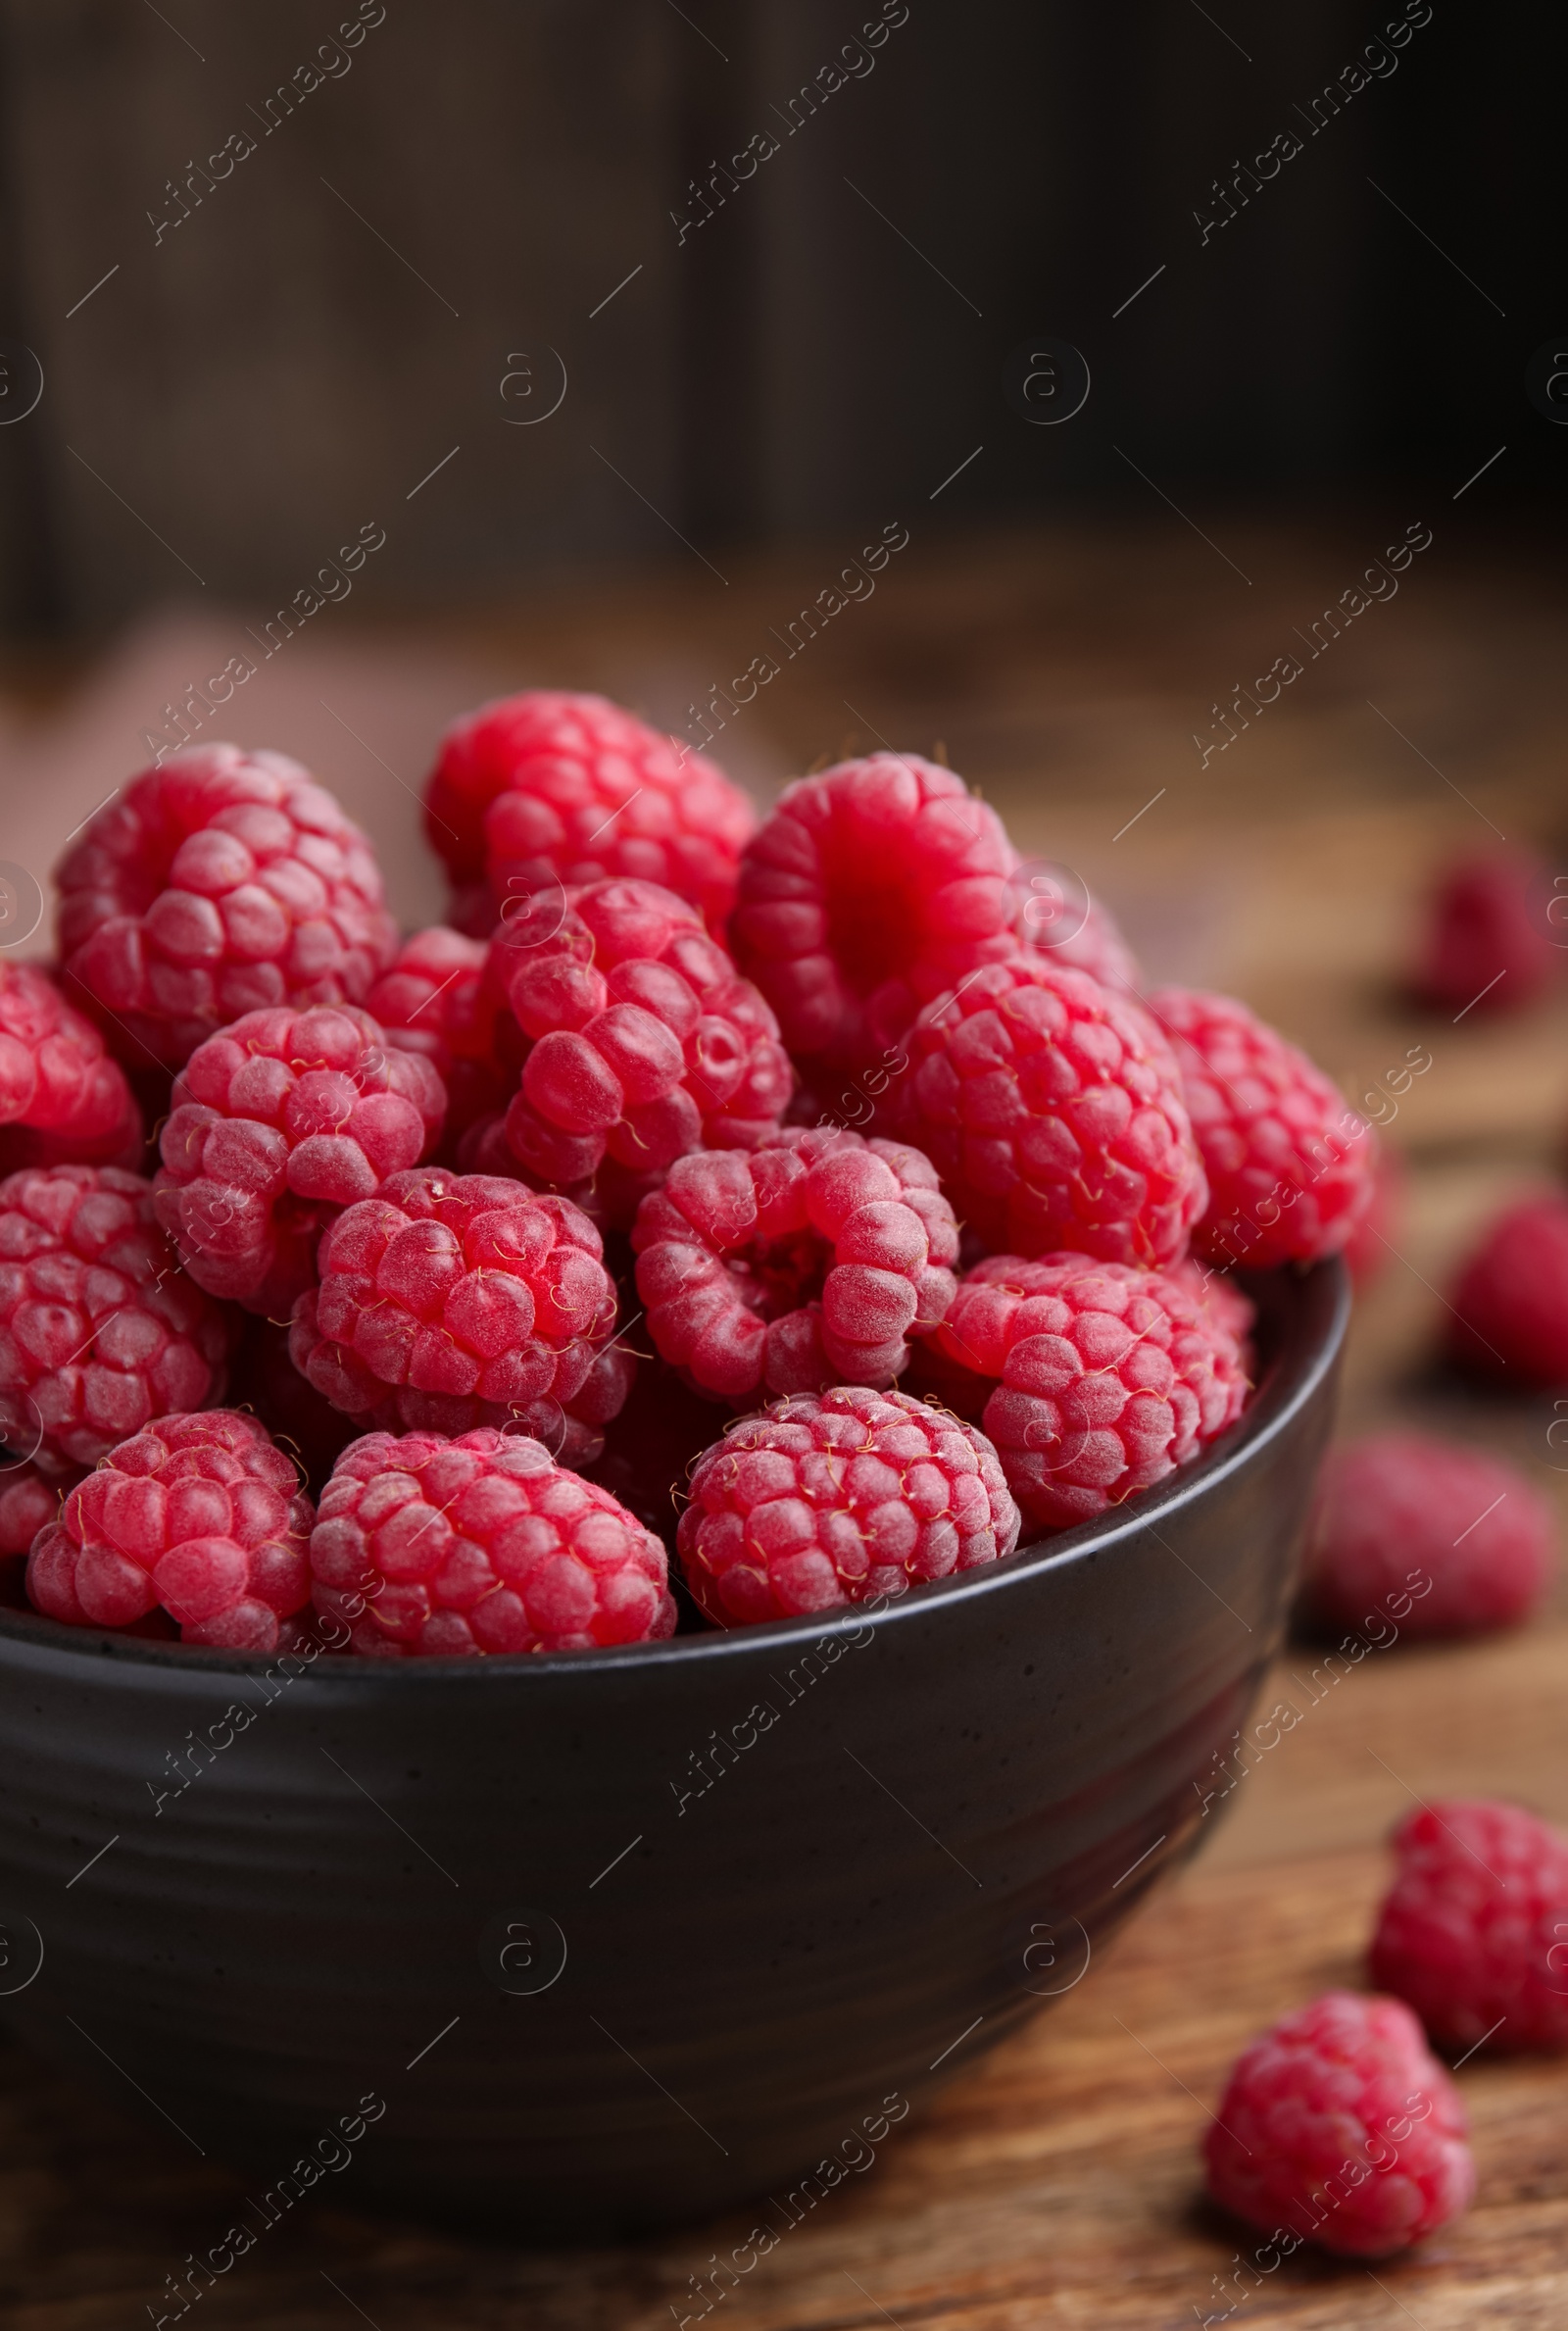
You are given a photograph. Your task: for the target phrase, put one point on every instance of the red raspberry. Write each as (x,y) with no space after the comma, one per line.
(1341,2127)
(1052,1110)
(63,1101)
(218,884)
(1080,933)
(1488,944)
(1462,1541)
(277,1125)
(1109,1378)
(452,1301)
(1473,1933)
(831,1499)
(435,1000)
(198,1514)
(642,1042)
(808,1262)
(546,789)
(426,1546)
(100,1332)
(1509,1311)
(27,1501)
(870,891)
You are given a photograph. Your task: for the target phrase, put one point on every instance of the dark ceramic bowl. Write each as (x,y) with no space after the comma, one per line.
(588,1944)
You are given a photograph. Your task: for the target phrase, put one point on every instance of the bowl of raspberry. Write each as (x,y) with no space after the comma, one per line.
(568,1655)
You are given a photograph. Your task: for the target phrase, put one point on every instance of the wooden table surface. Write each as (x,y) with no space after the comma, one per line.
(1054,2181)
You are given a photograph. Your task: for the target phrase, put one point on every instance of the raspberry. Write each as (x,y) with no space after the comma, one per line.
(870,891)
(1051,1110)
(1339,2127)
(641,1040)
(100,1331)
(27,1501)
(435,1000)
(1510,1306)
(63,1101)
(1050,921)
(808,1262)
(1488,946)
(1473,1933)
(1094,1379)
(1212,1291)
(426,1546)
(534,791)
(828,1500)
(453,1301)
(1461,1540)
(200,1516)
(218,884)
(277,1125)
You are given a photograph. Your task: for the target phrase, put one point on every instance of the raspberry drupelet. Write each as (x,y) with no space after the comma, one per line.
(435,1000)
(641,1042)
(1462,1540)
(873,888)
(1290,1168)
(828,1500)
(427,1547)
(1341,2127)
(63,1100)
(218,884)
(1474,1932)
(1510,1310)
(453,1301)
(101,1331)
(549,788)
(1052,1109)
(808,1262)
(279,1122)
(1094,1380)
(199,1515)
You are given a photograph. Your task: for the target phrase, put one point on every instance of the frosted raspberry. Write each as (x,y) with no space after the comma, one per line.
(27,1501)
(219,883)
(278,1124)
(199,1515)
(1094,1379)
(1488,945)
(100,1332)
(1510,1310)
(872,890)
(808,1262)
(429,1547)
(548,788)
(435,1000)
(832,1499)
(63,1101)
(642,1042)
(1051,1110)
(1342,2128)
(1290,1166)
(1455,1541)
(453,1301)
(1473,1933)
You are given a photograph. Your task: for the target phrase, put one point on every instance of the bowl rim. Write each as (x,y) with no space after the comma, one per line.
(1319,1293)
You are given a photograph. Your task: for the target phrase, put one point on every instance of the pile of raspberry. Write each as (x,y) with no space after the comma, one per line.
(815,1201)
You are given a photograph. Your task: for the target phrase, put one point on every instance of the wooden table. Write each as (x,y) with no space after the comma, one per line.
(1054,2182)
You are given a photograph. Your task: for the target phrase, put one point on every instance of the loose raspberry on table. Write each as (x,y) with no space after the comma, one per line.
(218,884)
(870,890)
(1341,2127)
(1473,1934)
(101,1331)
(548,788)
(808,1262)
(200,1516)
(1095,1381)
(1488,945)
(453,1301)
(435,1000)
(63,1101)
(29,1500)
(1445,1540)
(642,1042)
(427,1547)
(830,1499)
(1290,1166)
(1051,1110)
(279,1122)
(1509,1308)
